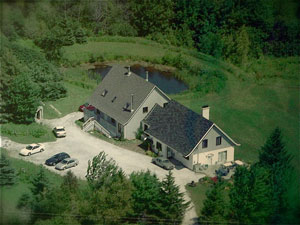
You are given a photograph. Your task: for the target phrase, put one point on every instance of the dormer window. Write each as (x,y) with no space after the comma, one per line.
(104,93)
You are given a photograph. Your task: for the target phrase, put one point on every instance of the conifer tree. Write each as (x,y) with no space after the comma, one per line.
(214,208)
(7,174)
(173,202)
(275,158)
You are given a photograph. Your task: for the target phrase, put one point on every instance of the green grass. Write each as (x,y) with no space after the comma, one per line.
(198,195)
(27,134)
(76,96)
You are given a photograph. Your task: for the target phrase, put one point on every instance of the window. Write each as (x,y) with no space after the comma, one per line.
(165,104)
(145,127)
(158,146)
(101,115)
(104,93)
(204,143)
(113,121)
(222,156)
(145,109)
(219,140)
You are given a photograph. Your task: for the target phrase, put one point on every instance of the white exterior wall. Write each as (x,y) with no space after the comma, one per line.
(132,126)
(202,158)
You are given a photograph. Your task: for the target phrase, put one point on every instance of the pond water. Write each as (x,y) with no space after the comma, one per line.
(163,80)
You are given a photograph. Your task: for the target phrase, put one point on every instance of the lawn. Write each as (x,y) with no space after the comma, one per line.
(27,133)
(198,195)
(76,96)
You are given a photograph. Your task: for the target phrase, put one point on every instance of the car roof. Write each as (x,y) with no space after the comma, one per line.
(34,145)
(60,127)
(68,159)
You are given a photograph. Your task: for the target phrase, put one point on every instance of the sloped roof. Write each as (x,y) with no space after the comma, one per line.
(177,126)
(119,87)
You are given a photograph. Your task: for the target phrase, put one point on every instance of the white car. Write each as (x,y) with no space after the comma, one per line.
(60,131)
(32,149)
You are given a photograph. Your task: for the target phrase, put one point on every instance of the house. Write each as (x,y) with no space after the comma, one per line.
(121,102)
(178,132)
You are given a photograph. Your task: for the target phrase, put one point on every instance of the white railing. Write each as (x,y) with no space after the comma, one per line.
(91,124)
(99,127)
(88,123)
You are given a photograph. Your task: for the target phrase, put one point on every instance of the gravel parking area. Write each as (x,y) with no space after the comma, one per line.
(83,146)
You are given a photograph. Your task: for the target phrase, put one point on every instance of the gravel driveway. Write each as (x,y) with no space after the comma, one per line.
(84,147)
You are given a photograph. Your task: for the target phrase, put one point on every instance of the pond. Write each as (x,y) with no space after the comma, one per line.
(163,80)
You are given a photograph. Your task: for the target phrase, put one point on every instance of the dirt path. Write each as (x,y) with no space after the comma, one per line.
(84,147)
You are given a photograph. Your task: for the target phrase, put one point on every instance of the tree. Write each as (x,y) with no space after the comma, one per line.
(275,158)
(22,99)
(250,196)
(110,197)
(149,17)
(173,202)
(40,182)
(146,195)
(102,171)
(214,206)
(7,174)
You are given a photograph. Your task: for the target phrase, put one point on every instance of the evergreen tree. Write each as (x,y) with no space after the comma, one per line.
(22,99)
(214,206)
(40,183)
(250,196)
(173,202)
(7,174)
(146,195)
(275,158)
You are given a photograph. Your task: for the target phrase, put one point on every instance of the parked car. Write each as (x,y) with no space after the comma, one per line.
(60,131)
(87,106)
(67,163)
(163,162)
(32,149)
(57,159)
(222,171)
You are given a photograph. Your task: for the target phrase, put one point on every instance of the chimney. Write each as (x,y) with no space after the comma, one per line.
(205,111)
(147,76)
(131,104)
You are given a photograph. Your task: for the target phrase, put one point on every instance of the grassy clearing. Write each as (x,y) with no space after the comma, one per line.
(76,97)
(27,134)
(198,195)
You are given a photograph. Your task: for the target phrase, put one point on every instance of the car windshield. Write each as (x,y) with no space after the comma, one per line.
(29,147)
(165,161)
(61,129)
(64,161)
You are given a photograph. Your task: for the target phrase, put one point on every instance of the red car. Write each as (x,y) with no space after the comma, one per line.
(87,106)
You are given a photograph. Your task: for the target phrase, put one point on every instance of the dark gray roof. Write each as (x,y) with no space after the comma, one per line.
(177,126)
(119,88)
